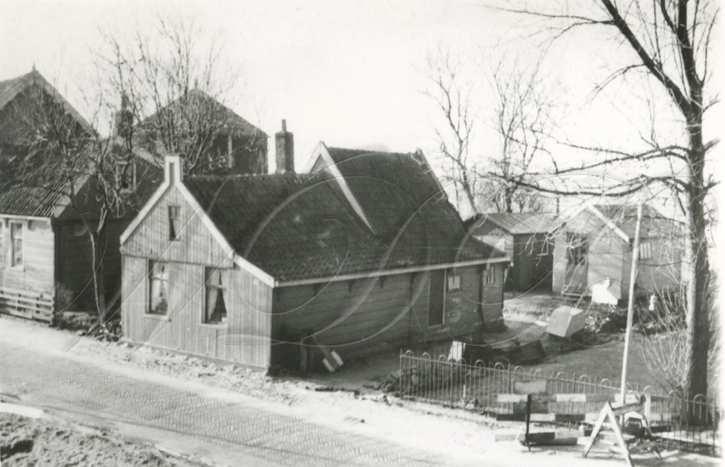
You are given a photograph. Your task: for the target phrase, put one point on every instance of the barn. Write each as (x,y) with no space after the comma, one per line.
(527,239)
(360,254)
(594,246)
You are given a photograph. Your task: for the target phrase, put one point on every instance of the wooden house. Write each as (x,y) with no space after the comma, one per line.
(45,261)
(42,242)
(594,246)
(526,238)
(362,253)
(243,145)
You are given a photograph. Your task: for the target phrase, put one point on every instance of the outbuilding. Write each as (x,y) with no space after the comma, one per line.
(526,238)
(593,247)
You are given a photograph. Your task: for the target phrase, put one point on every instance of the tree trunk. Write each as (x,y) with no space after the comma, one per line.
(97,240)
(698,320)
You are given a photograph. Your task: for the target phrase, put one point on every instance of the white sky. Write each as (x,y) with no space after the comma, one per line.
(349,72)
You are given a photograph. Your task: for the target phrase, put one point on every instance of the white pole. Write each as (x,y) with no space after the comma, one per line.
(630,304)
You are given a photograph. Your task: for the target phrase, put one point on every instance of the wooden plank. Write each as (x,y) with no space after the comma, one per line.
(530,387)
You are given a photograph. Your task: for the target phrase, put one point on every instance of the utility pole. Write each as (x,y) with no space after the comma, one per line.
(630,304)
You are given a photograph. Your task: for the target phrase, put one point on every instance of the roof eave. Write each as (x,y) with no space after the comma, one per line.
(391,272)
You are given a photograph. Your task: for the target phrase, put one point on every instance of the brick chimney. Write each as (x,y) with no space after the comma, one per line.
(285,150)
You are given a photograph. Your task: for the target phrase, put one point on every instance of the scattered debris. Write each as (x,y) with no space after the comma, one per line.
(566,321)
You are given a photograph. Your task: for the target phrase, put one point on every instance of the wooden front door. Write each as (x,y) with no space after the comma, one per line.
(576,264)
(436,305)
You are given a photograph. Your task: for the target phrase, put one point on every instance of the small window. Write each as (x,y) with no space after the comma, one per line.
(174,222)
(454,281)
(159,288)
(645,250)
(16,244)
(215,311)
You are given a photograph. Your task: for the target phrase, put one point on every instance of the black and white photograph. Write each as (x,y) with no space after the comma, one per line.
(360,232)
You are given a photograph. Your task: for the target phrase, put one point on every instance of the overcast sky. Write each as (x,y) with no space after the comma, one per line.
(349,72)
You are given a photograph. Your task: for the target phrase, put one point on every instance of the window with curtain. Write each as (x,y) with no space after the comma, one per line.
(158,288)
(215,309)
(454,281)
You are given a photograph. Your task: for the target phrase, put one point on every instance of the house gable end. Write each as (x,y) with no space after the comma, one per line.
(150,238)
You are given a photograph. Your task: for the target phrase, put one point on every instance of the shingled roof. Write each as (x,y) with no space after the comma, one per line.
(300,226)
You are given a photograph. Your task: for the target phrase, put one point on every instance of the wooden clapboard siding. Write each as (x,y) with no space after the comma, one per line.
(353,316)
(663,269)
(28,290)
(605,260)
(195,244)
(366,315)
(532,263)
(37,272)
(244,338)
(73,268)
(492,298)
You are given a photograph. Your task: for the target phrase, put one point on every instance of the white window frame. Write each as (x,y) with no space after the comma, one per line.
(453,281)
(150,279)
(11,242)
(221,288)
(645,250)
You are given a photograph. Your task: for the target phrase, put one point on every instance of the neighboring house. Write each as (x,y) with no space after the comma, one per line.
(243,145)
(594,246)
(526,238)
(361,254)
(45,260)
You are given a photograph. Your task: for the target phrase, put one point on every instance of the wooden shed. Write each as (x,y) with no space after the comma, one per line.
(594,246)
(263,269)
(527,239)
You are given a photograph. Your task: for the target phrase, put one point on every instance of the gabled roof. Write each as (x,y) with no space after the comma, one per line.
(517,223)
(303,228)
(197,98)
(624,216)
(298,227)
(11,88)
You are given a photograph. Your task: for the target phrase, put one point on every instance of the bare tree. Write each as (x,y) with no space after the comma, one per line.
(520,119)
(97,174)
(452,98)
(69,160)
(669,45)
(176,85)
